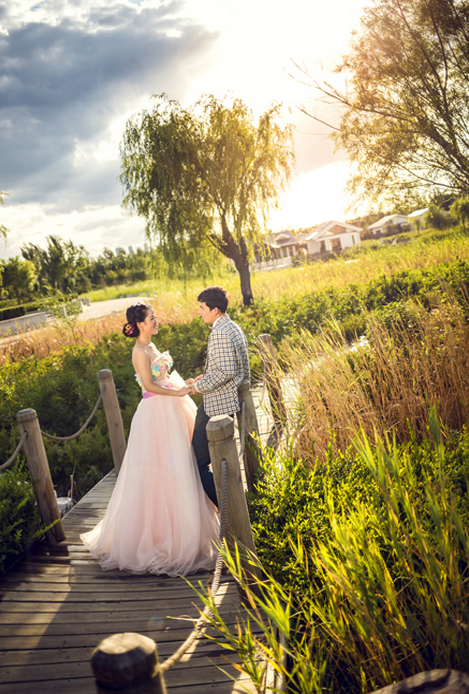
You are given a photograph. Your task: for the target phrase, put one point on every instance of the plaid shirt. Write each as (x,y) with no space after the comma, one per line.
(226,367)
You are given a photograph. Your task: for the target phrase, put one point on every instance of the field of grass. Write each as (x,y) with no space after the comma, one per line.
(176,302)
(362,263)
(370,390)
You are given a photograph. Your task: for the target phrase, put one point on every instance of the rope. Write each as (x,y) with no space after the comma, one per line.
(202,623)
(80,431)
(17,450)
(243,430)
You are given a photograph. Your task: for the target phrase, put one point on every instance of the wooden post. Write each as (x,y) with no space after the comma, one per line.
(272,379)
(113,417)
(127,663)
(40,474)
(430,682)
(221,444)
(252,452)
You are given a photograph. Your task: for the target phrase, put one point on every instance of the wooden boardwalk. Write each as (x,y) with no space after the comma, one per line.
(57,605)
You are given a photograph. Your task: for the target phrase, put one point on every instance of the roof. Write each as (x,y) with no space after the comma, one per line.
(417,213)
(331,228)
(284,237)
(389,219)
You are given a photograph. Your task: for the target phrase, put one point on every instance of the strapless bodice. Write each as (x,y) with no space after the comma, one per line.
(160,368)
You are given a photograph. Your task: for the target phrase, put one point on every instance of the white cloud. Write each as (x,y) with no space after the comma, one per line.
(73,72)
(93,227)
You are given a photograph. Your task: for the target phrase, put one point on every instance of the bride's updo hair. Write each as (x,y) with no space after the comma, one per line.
(135,314)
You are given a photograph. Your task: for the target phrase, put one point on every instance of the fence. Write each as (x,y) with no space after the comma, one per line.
(130,660)
(32,442)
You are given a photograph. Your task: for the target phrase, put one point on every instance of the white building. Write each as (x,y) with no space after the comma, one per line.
(391,220)
(415,218)
(331,237)
(283,244)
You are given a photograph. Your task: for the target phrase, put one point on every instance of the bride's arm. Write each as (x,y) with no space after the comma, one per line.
(141,364)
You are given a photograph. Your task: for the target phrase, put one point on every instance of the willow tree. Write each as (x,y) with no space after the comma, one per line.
(405,118)
(204,175)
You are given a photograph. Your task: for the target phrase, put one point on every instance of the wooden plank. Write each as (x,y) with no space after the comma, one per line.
(86,685)
(75,600)
(20,612)
(202,649)
(35,589)
(30,568)
(46,638)
(57,605)
(60,671)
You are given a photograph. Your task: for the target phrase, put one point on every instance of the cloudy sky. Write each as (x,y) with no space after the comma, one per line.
(73,71)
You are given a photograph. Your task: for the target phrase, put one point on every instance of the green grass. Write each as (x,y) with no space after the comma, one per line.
(375,589)
(363,263)
(166,286)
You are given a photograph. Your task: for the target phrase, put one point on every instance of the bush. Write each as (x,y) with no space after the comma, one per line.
(19,516)
(19,310)
(367,583)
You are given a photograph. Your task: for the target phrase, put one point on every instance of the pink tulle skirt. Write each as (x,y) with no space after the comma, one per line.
(159,519)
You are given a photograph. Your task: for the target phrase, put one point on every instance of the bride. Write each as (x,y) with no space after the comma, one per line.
(159,519)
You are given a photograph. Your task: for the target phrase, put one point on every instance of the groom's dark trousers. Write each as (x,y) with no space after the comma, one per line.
(200,446)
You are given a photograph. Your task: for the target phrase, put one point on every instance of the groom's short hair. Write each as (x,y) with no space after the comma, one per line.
(214,297)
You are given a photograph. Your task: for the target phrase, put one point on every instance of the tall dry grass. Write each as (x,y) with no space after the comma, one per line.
(386,385)
(369,263)
(60,333)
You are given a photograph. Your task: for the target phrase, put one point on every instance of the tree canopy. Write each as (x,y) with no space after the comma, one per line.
(206,174)
(18,277)
(405,122)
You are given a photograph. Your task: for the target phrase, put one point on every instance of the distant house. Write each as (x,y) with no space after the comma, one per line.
(383,225)
(331,237)
(415,218)
(283,244)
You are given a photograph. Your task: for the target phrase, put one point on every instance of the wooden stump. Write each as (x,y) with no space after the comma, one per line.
(113,417)
(127,663)
(430,682)
(222,445)
(252,453)
(40,474)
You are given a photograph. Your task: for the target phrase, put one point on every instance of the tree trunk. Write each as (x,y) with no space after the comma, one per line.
(245,279)
(238,253)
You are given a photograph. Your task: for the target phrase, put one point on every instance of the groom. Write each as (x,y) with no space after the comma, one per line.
(226,367)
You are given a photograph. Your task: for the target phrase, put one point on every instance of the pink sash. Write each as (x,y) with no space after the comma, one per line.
(147,394)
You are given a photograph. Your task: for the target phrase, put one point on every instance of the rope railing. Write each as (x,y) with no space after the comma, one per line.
(15,454)
(82,429)
(202,623)
(242,434)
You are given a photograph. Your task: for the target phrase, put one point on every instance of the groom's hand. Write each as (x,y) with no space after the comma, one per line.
(189,381)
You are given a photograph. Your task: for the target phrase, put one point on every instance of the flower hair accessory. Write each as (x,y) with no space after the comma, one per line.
(129,329)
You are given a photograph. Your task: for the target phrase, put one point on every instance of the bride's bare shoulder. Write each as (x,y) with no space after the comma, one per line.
(140,352)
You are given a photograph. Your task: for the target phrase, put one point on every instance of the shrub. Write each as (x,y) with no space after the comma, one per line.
(19,516)
(18,311)
(374,592)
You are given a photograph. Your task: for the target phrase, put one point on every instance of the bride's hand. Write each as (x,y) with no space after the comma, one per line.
(189,381)
(185,390)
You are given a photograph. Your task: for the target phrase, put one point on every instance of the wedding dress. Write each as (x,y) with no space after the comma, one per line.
(159,519)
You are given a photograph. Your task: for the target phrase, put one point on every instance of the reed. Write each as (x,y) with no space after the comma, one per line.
(414,358)
(388,592)
(59,333)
